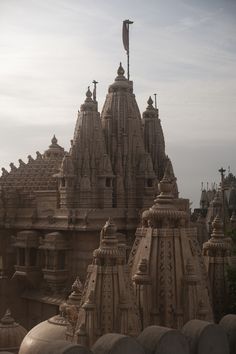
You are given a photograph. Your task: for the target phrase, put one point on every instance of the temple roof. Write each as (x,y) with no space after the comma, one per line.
(36,174)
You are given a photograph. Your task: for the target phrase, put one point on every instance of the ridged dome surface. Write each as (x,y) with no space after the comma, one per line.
(45,332)
(11,334)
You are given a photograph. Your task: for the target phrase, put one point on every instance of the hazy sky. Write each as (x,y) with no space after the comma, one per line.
(185,50)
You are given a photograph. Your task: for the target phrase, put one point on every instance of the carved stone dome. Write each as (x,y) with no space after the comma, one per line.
(11,334)
(44,333)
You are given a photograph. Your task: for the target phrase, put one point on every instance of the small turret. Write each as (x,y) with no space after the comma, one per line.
(154,138)
(55,151)
(108,301)
(164,212)
(217,252)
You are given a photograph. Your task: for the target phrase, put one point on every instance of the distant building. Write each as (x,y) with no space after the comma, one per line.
(216,200)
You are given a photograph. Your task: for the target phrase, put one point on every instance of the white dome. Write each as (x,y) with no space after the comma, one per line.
(44,333)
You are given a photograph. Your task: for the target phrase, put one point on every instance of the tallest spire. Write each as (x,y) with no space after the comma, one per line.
(125,37)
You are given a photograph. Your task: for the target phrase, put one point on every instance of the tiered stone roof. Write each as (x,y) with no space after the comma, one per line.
(37,174)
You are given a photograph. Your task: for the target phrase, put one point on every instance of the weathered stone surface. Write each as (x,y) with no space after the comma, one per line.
(163,340)
(205,337)
(228,323)
(166,264)
(113,343)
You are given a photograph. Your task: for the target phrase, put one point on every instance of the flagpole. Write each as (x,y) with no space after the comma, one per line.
(126,24)
(128,55)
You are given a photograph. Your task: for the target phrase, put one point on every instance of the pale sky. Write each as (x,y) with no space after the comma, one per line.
(183,50)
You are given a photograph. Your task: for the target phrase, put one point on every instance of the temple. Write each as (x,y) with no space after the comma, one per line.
(96,240)
(53,207)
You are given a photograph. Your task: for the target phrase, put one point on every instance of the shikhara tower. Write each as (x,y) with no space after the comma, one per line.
(115,160)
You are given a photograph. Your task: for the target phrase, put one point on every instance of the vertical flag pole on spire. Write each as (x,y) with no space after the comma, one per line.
(155,95)
(95,90)
(222,174)
(125,36)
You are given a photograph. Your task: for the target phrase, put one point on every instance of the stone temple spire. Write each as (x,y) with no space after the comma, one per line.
(217,251)
(122,126)
(108,300)
(167,266)
(154,138)
(215,208)
(91,185)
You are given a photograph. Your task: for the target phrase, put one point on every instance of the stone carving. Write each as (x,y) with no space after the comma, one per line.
(172,265)
(108,299)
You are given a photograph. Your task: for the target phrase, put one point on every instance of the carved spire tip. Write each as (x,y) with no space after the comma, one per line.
(54,139)
(150,101)
(120,70)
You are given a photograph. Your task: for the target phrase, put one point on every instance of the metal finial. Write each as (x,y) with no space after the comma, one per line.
(95,90)
(155,95)
(222,172)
